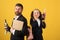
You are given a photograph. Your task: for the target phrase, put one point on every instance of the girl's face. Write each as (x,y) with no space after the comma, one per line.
(36,13)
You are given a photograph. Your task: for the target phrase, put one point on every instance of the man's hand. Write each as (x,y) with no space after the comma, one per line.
(12,30)
(7,28)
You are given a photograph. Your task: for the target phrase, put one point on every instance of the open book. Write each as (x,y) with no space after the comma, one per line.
(17,25)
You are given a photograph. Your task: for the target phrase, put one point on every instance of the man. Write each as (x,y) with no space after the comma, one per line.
(16,34)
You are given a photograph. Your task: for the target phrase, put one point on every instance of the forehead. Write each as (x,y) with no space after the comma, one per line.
(36,11)
(18,7)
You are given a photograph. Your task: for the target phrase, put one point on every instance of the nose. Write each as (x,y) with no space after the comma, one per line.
(17,10)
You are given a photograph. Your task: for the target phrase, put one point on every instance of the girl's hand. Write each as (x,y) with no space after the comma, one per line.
(44,14)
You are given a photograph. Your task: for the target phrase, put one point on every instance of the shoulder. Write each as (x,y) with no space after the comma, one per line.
(22,18)
(32,21)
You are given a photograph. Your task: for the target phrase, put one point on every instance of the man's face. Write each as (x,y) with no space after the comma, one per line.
(18,10)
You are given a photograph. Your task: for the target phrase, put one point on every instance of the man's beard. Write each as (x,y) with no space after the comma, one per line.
(17,13)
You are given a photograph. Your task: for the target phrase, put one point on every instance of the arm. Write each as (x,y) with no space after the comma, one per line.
(43,16)
(43,24)
(25,28)
(30,37)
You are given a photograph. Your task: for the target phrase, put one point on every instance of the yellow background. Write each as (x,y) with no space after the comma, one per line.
(52,31)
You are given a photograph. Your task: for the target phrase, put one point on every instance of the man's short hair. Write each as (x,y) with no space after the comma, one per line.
(20,5)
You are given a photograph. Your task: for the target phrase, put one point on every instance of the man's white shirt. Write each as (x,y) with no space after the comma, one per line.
(15,18)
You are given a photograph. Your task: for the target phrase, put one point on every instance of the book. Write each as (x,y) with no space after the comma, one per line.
(17,25)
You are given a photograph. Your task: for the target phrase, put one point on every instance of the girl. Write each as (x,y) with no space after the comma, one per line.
(37,24)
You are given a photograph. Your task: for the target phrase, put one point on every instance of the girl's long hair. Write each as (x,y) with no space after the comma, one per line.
(40,17)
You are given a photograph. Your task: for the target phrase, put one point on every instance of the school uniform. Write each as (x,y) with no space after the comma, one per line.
(37,26)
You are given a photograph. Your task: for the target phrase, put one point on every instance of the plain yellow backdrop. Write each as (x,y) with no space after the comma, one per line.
(52,31)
